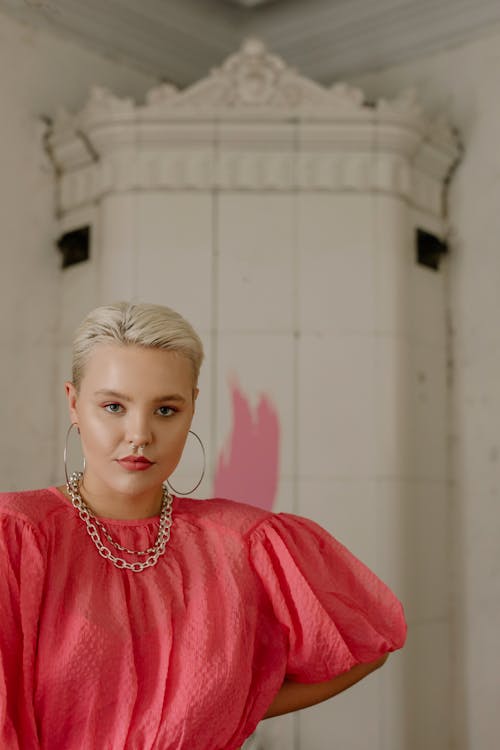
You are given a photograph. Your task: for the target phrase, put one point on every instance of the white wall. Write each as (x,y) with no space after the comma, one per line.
(39,73)
(464,83)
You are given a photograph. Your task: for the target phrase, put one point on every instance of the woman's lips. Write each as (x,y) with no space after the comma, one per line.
(134,464)
(133,457)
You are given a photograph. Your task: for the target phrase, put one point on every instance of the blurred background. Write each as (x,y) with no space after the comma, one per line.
(315,185)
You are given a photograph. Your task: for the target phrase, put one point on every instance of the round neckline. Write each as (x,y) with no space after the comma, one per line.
(112,521)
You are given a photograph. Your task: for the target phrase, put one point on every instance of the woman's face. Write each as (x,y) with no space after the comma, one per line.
(132,395)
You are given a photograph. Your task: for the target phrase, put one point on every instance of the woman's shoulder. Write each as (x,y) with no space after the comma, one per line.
(229,514)
(29,506)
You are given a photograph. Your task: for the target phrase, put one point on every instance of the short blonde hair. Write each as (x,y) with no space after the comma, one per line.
(140,324)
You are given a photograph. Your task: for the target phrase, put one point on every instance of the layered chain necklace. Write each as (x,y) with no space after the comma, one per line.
(93,525)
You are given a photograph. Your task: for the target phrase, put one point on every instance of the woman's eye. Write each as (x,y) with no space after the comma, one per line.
(168,409)
(115,409)
(112,411)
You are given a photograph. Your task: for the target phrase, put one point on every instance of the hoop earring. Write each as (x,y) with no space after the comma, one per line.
(73,424)
(202,471)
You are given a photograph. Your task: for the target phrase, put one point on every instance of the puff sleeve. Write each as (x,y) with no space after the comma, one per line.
(335,612)
(21,584)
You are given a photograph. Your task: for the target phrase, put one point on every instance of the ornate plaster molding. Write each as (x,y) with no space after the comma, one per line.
(253,123)
(255,80)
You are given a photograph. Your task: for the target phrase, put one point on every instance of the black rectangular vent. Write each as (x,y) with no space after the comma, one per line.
(74,246)
(430,249)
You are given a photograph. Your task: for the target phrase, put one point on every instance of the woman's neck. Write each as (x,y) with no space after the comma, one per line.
(120,506)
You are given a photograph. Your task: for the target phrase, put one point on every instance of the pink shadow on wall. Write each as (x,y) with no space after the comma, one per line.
(247,467)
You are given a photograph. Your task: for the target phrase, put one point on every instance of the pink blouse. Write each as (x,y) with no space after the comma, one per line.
(187,655)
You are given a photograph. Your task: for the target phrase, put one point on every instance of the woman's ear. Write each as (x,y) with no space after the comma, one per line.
(72,397)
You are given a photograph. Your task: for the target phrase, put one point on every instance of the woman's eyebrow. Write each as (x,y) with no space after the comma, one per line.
(123,397)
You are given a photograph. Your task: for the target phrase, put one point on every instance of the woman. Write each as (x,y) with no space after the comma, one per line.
(135,619)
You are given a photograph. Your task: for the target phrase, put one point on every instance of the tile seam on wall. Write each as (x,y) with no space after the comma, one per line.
(214,336)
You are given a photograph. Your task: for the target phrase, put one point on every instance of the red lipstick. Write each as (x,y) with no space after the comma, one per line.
(143,459)
(135,463)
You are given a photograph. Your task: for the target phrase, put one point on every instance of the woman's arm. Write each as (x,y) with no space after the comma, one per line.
(296,695)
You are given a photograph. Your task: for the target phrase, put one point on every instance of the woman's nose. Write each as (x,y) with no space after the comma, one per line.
(139,430)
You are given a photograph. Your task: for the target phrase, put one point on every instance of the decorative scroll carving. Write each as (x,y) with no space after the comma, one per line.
(253,124)
(440,131)
(252,76)
(103,104)
(255,78)
(404,105)
(344,95)
(165,93)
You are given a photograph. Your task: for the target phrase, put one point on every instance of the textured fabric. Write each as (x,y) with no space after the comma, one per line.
(187,655)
